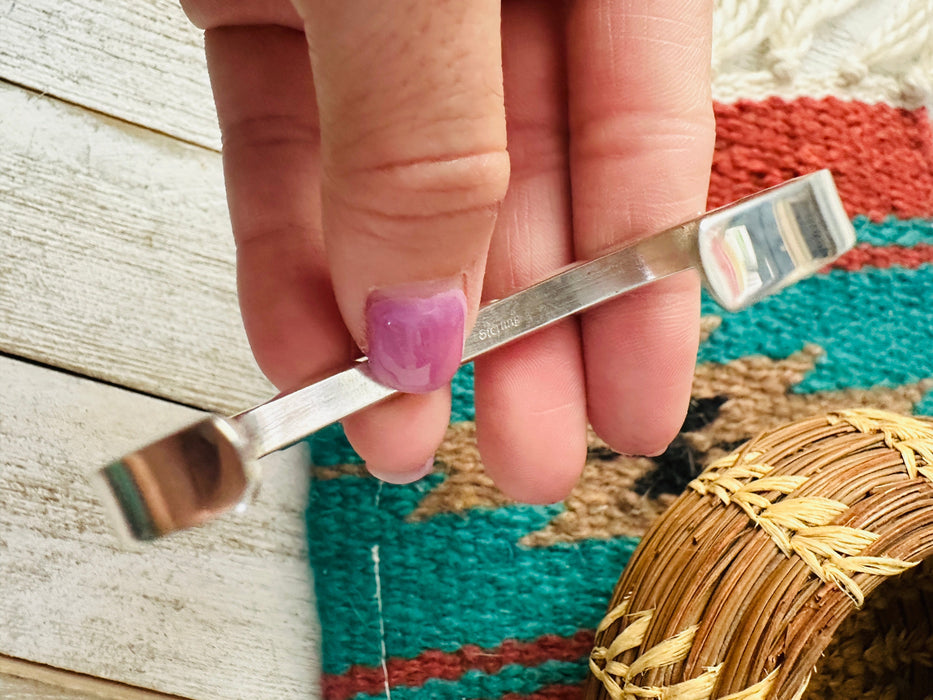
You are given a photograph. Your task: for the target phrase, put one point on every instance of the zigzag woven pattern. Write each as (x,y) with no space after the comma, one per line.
(445,589)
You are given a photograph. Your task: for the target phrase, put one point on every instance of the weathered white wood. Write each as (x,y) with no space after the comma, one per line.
(140,61)
(117,260)
(225,611)
(22,680)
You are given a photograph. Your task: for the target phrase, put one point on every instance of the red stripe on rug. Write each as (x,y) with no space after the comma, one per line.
(881,156)
(452,665)
(865,255)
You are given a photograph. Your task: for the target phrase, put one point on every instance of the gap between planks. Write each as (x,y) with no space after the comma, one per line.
(141,62)
(97,380)
(118,261)
(105,114)
(222,612)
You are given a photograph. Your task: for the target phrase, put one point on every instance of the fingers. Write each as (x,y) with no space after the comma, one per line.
(266,106)
(414,169)
(398,439)
(264,94)
(411,166)
(642,136)
(530,400)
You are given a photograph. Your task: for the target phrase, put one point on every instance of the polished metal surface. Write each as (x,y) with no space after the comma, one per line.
(178,482)
(282,421)
(743,252)
(759,245)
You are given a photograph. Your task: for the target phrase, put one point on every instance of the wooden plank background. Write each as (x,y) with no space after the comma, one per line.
(225,611)
(140,61)
(117,265)
(118,260)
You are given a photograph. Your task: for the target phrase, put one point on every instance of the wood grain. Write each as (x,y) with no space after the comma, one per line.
(222,612)
(23,680)
(141,61)
(117,258)
(22,689)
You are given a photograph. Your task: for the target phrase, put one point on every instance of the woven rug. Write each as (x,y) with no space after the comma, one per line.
(445,589)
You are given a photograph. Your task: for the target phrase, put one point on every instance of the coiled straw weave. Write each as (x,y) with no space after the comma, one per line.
(759,582)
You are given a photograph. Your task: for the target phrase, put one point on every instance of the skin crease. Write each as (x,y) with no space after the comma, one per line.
(486,145)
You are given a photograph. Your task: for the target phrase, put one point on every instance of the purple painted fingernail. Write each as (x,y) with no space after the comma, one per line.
(415,335)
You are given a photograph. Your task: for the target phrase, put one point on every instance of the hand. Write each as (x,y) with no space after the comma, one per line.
(421,162)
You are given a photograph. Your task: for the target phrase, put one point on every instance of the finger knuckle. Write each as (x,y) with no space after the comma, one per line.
(426,187)
(623,137)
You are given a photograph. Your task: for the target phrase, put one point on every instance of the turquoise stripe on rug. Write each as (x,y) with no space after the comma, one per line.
(870,309)
(471,573)
(893,231)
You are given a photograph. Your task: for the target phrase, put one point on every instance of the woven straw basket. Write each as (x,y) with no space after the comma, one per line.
(800,566)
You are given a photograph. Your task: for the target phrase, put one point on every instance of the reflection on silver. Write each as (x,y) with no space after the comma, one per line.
(761,244)
(743,252)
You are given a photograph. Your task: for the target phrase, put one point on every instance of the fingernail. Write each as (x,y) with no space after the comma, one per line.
(402,477)
(415,336)
(657,452)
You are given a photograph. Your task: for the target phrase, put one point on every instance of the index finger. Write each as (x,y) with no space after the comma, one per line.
(414,167)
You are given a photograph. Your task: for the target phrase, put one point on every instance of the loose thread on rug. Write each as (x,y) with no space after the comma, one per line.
(382,625)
